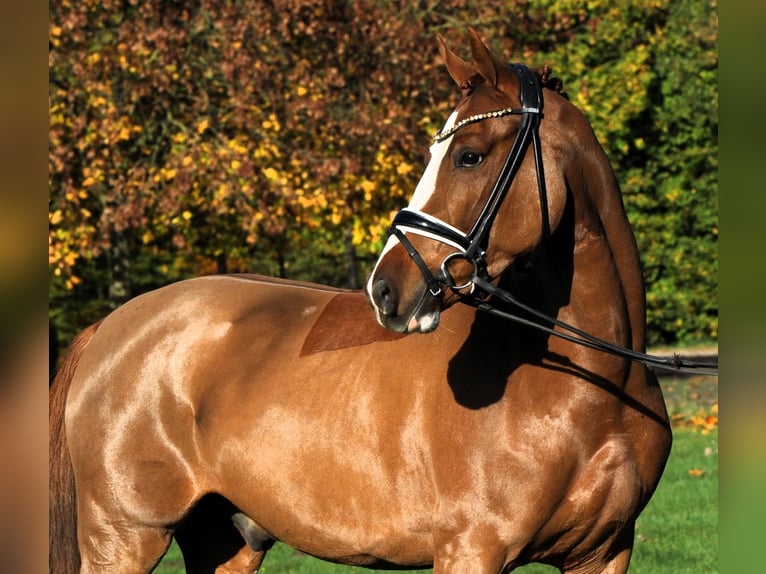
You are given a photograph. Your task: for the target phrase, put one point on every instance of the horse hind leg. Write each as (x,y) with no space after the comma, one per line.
(128,549)
(216,538)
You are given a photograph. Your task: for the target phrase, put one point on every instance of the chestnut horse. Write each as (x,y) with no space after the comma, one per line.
(233,411)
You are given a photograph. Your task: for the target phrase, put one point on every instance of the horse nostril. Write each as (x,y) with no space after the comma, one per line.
(384,297)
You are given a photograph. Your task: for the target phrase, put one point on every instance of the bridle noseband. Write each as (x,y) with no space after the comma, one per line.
(472,246)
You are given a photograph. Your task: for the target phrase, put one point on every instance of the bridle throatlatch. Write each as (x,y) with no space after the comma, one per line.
(472,246)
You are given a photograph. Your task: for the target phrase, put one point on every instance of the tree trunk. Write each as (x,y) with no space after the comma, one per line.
(353,263)
(119,271)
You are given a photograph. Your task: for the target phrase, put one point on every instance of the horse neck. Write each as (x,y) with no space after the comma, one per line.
(587,274)
(603,214)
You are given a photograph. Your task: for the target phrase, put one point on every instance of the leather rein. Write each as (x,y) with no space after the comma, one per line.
(471,246)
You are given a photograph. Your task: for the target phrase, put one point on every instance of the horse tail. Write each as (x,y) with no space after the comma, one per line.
(63,553)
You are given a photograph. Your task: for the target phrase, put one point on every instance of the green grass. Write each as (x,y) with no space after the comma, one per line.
(676,534)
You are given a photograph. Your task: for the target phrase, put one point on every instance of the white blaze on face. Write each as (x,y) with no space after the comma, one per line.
(423,192)
(427,184)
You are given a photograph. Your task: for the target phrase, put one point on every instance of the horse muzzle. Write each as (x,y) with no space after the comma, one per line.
(417,313)
(406,293)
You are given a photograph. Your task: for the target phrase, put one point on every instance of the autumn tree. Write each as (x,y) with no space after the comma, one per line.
(279,137)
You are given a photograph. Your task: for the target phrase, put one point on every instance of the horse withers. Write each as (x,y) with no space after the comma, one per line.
(230,412)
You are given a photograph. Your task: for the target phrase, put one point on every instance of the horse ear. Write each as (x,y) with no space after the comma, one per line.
(463,73)
(488,66)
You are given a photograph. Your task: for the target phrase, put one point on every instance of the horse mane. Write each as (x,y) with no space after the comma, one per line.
(548,80)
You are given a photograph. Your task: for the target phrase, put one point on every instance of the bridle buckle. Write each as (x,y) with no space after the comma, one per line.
(479,267)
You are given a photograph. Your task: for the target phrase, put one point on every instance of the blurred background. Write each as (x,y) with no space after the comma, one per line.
(197,137)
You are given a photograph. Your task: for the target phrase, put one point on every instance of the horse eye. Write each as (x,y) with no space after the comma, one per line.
(469,159)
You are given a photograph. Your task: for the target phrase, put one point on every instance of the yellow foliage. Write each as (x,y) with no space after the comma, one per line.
(271,174)
(271,124)
(403,168)
(237,146)
(368,187)
(270,120)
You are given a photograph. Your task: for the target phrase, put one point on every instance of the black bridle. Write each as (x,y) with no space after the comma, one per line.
(472,246)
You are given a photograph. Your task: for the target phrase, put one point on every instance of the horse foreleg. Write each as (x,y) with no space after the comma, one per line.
(476,552)
(616,565)
(613,558)
(489,563)
(619,564)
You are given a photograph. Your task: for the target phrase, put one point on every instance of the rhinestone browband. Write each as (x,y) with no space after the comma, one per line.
(440,136)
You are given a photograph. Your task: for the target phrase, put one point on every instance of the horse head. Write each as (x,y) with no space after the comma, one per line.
(483,201)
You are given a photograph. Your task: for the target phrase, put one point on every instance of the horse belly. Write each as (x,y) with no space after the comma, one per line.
(332,465)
